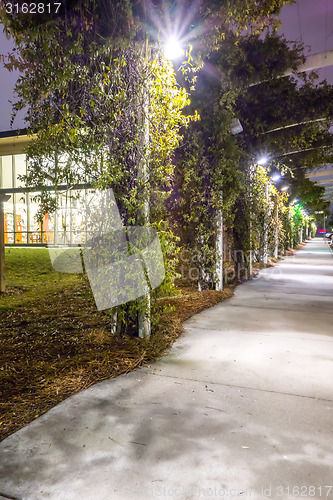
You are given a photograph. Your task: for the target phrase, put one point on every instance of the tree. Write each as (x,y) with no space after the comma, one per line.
(86,100)
(82,77)
(213,161)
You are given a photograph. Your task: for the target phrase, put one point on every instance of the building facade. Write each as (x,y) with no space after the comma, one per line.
(21,226)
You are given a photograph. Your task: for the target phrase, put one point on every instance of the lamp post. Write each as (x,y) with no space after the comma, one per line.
(172,50)
(144,321)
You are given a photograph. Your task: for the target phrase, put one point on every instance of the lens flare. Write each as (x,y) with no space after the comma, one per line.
(173,49)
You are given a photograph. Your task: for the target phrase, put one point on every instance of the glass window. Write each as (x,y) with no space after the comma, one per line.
(9,221)
(7,172)
(48,226)
(67,226)
(21,218)
(34,235)
(20,169)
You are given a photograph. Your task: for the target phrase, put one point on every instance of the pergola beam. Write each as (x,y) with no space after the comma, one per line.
(322,173)
(313,61)
(301,151)
(297,124)
(325,182)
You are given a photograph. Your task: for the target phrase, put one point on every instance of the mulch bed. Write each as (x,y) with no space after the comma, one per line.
(61,345)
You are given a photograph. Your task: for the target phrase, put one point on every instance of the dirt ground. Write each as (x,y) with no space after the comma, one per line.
(56,344)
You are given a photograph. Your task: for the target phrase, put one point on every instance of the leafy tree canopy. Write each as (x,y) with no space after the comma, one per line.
(203,23)
(285,118)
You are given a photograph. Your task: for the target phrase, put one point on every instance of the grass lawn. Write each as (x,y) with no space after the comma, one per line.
(29,272)
(54,342)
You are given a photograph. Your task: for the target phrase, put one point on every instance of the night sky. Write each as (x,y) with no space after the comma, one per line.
(310,21)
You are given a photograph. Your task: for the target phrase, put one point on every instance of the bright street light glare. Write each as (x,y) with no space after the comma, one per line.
(262,161)
(276,177)
(173,49)
(284,188)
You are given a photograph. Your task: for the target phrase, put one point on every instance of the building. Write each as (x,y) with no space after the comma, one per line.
(21,226)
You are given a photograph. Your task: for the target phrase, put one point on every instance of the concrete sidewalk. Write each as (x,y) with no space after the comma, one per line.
(241,407)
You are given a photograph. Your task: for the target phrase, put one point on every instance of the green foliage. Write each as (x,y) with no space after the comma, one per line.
(169,243)
(296,224)
(309,192)
(91,104)
(95,93)
(29,273)
(213,162)
(253,59)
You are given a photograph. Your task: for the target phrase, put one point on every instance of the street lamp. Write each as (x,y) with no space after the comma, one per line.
(263,160)
(173,49)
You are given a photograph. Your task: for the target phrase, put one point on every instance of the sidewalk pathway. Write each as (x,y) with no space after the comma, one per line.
(242,407)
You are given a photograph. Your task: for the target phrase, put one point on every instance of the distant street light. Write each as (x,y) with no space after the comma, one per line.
(263,160)
(276,177)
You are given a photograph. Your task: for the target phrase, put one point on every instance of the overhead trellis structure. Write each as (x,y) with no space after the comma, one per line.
(323,177)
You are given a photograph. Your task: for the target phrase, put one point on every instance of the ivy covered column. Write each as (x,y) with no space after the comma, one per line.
(143,215)
(219,251)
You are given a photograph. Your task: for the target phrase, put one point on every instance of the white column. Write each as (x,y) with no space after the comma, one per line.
(143,216)
(266,228)
(276,250)
(219,250)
